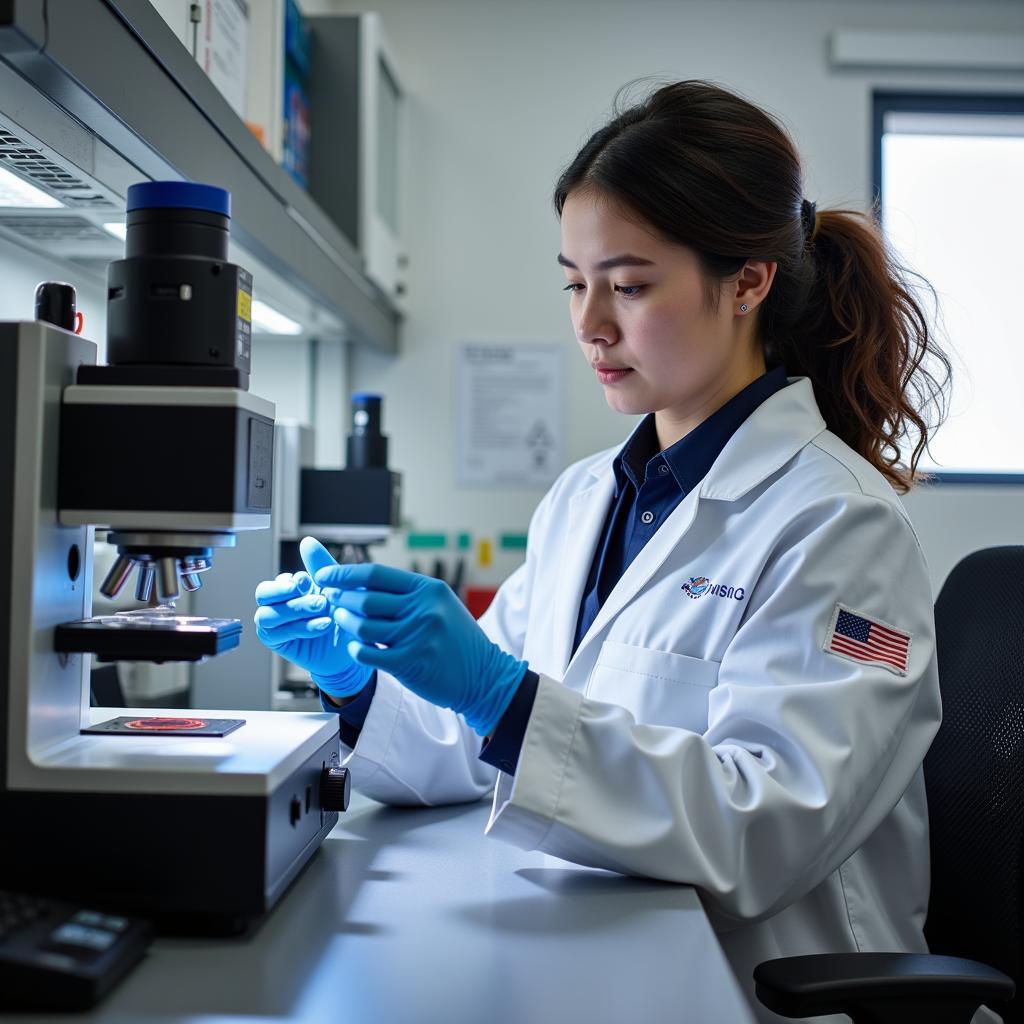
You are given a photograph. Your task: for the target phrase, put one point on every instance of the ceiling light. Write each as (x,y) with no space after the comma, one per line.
(15,191)
(268,320)
(118,229)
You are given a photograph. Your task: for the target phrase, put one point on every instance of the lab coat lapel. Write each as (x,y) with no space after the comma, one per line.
(587,511)
(771,435)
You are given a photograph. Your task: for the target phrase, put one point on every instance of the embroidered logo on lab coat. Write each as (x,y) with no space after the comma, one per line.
(698,586)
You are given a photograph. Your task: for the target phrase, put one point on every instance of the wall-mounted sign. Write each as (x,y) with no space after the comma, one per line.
(510,414)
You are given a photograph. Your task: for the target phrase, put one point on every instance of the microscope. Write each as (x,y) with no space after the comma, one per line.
(197,820)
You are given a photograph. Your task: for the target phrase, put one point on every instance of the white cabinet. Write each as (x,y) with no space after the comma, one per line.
(325,97)
(357,144)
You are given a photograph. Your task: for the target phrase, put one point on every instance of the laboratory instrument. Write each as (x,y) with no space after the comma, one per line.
(167,450)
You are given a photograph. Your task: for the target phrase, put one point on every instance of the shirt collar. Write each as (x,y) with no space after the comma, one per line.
(631,462)
(692,456)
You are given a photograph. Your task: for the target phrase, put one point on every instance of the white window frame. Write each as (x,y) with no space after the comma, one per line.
(901,111)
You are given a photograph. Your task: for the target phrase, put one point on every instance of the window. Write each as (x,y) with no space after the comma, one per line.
(947,173)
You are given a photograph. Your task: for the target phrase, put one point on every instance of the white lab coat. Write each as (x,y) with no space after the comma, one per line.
(712,740)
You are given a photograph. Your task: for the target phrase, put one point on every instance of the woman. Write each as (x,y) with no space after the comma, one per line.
(717,665)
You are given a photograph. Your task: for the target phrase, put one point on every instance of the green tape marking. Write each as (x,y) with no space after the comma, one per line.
(427,540)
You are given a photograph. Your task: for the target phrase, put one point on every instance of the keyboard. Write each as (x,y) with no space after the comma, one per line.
(61,956)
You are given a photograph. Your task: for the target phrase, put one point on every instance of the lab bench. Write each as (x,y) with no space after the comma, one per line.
(412,915)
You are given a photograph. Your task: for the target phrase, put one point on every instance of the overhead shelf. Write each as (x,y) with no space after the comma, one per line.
(140,107)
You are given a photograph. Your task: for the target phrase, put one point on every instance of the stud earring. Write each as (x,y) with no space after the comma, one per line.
(744,308)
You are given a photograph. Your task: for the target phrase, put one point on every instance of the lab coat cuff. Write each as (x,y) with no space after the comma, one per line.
(374,742)
(525,805)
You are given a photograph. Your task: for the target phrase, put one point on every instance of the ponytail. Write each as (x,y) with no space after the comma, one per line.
(863,340)
(710,170)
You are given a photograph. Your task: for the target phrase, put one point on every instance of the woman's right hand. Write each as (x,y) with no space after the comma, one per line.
(294,620)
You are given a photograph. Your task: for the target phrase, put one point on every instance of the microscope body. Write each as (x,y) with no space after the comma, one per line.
(194,819)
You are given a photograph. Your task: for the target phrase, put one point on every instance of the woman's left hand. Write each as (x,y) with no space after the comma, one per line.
(417,629)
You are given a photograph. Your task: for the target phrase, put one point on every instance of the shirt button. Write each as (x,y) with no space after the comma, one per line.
(663,469)
(647,517)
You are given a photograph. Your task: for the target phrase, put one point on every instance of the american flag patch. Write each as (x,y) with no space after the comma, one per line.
(855,636)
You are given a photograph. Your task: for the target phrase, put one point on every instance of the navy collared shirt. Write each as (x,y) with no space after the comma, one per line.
(352,715)
(649,484)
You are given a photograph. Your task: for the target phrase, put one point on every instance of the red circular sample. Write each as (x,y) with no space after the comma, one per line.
(165,724)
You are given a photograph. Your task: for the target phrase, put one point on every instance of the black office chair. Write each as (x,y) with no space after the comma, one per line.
(974,774)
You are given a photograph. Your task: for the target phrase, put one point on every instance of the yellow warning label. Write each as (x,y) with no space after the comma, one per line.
(245,306)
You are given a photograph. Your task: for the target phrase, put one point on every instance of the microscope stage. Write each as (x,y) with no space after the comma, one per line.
(136,636)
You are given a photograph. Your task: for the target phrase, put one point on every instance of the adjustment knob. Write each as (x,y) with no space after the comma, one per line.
(335,786)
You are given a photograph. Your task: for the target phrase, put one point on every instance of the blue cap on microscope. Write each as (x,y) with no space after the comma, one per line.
(186,195)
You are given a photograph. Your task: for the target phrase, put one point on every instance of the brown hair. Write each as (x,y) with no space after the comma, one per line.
(712,171)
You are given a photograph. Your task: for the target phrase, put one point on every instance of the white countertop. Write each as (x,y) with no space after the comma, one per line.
(413,915)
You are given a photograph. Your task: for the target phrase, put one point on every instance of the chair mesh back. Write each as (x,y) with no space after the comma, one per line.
(974,771)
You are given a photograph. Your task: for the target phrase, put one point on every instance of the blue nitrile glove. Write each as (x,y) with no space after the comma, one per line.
(294,620)
(431,644)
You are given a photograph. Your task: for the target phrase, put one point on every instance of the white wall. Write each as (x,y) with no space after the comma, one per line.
(953,520)
(306,381)
(502,96)
(176,14)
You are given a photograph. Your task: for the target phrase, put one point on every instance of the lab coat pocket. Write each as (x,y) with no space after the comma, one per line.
(656,687)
